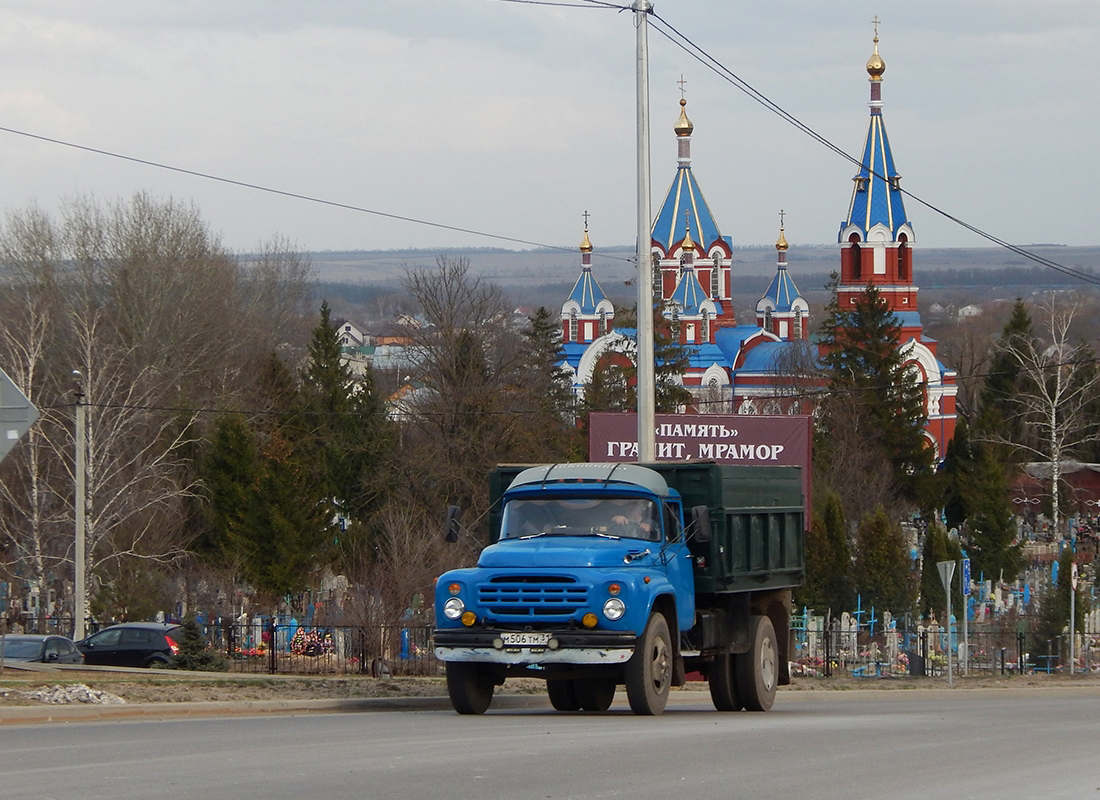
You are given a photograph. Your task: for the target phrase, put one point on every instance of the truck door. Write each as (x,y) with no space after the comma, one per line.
(677,561)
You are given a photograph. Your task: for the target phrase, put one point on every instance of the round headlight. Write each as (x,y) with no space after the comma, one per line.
(453,608)
(614,608)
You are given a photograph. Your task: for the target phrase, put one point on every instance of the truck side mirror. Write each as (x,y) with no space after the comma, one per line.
(700,523)
(451,525)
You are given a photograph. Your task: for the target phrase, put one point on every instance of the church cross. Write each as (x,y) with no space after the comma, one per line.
(875,22)
(683,85)
(585,215)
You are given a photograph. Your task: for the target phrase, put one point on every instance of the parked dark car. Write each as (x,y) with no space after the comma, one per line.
(132,644)
(41,648)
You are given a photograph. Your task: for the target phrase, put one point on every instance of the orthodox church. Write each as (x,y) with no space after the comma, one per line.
(752,368)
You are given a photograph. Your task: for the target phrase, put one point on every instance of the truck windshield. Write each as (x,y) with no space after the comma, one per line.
(622,517)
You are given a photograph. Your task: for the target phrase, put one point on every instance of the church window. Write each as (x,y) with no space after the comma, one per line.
(857,257)
(861,184)
(572,326)
(706,325)
(767,319)
(903,257)
(798,323)
(603,321)
(676,324)
(715,276)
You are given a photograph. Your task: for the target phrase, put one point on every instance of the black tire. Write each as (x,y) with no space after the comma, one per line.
(562,695)
(649,670)
(470,687)
(758,669)
(722,679)
(156,662)
(595,694)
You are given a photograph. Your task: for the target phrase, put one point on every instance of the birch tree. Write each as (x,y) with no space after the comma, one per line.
(1055,395)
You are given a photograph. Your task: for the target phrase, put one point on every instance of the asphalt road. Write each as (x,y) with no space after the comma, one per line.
(822,745)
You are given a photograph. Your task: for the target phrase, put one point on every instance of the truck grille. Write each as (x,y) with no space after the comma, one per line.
(520,598)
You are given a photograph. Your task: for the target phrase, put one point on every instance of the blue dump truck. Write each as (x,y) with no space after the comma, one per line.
(606,575)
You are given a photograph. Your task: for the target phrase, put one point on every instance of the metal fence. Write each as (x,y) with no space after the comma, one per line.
(828,650)
(290,648)
(822,648)
(266,646)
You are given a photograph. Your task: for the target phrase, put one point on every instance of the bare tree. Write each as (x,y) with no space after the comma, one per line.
(469,358)
(33,499)
(161,321)
(1059,382)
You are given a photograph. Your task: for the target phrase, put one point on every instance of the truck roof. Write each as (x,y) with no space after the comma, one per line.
(593,473)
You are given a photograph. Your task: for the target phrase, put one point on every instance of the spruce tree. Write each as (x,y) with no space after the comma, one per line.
(343,435)
(194,652)
(976,503)
(1002,382)
(546,397)
(869,379)
(828,561)
(884,578)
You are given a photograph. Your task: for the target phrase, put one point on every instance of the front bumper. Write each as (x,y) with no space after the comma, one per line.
(566,647)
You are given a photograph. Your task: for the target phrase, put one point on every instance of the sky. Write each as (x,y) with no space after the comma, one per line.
(515,118)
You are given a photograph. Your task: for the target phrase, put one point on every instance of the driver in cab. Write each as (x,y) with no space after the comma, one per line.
(637,515)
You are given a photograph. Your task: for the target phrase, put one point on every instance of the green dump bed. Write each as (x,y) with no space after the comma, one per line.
(757,522)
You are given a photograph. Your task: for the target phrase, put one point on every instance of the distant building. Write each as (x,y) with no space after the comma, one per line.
(752,368)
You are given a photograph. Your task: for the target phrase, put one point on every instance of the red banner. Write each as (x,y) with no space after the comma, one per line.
(722,438)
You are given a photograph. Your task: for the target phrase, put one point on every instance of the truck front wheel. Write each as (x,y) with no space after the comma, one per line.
(758,669)
(649,670)
(470,687)
(722,679)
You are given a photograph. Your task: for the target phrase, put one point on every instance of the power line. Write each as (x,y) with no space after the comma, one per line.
(292,195)
(677,38)
(710,62)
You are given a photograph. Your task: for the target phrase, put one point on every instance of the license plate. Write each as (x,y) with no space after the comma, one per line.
(525,639)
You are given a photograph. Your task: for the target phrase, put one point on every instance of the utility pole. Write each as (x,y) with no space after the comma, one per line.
(79,600)
(646,389)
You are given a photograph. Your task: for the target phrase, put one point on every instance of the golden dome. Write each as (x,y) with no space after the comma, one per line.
(781,243)
(875,65)
(689,243)
(683,125)
(586,246)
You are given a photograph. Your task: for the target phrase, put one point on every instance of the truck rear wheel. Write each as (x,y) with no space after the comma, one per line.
(758,669)
(595,694)
(649,670)
(563,695)
(722,679)
(470,687)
